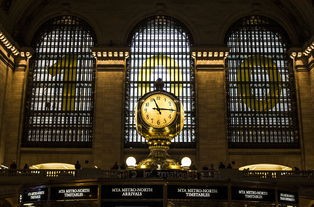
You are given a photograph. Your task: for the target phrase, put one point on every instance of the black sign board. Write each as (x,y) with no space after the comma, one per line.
(287,197)
(252,194)
(197,192)
(131,204)
(132,191)
(74,192)
(35,194)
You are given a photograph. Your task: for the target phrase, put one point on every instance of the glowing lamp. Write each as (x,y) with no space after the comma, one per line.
(186,162)
(130,162)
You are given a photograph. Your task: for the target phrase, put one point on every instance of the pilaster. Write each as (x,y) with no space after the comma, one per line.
(210,79)
(303,64)
(14,63)
(110,72)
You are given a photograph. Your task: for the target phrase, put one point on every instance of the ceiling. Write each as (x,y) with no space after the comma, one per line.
(207,20)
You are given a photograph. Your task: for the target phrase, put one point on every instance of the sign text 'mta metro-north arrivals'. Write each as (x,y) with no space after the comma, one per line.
(132,191)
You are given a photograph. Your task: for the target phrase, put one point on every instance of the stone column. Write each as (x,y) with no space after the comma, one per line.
(303,64)
(13,107)
(109,103)
(210,81)
(6,71)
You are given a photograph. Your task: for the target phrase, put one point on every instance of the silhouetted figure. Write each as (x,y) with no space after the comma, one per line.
(212,166)
(123,166)
(115,166)
(229,166)
(77,165)
(13,165)
(26,167)
(221,165)
(87,164)
(193,167)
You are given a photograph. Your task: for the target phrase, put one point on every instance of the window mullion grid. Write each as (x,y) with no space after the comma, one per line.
(272,124)
(163,38)
(48,116)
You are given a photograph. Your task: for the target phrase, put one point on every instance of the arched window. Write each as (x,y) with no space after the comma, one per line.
(261,100)
(160,48)
(60,91)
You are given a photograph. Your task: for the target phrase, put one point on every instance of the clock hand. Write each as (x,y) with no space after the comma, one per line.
(166,109)
(158,109)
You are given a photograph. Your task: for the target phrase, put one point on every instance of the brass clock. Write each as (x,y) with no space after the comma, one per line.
(159,117)
(159,114)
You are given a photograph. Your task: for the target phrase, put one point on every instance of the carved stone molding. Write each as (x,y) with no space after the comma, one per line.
(210,58)
(14,57)
(110,58)
(8,51)
(8,45)
(303,59)
(22,59)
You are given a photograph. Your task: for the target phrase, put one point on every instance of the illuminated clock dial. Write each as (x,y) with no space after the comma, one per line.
(158,110)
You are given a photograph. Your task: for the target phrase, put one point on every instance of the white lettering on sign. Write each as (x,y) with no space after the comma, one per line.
(129,192)
(36,195)
(74,193)
(287,197)
(197,192)
(253,194)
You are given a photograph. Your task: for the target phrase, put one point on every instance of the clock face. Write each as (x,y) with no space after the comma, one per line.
(158,110)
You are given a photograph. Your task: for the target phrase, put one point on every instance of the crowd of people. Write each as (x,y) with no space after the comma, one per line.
(117,166)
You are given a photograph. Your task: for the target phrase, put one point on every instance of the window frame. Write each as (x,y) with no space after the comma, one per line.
(279,106)
(60,86)
(170,86)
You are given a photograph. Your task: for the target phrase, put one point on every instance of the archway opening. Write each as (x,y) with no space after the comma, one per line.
(266,166)
(53,166)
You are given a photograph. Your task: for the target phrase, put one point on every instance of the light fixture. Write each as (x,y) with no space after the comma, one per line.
(28,204)
(3,167)
(131,162)
(186,162)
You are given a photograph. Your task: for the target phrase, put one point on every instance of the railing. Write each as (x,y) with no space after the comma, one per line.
(164,174)
(45,173)
(278,174)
